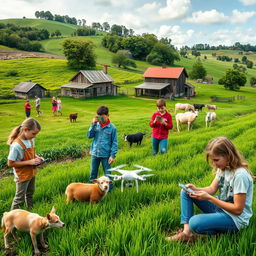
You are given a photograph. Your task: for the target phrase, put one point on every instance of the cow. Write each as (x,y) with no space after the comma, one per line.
(186,107)
(211,107)
(134,138)
(198,106)
(73,117)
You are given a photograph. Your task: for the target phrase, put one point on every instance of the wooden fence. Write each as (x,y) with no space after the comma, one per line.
(227,99)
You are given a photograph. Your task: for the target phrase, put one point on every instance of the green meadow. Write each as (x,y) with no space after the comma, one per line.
(130,223)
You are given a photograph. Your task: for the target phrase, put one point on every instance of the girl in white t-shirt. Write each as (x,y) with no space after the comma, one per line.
(231,210)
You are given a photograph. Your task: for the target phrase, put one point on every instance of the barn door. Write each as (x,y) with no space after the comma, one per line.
(94,92)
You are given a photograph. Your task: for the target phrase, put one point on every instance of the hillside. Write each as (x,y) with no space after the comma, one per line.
(215,68)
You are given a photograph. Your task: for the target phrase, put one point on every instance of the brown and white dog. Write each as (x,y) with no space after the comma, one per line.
(29,222)
(88,192)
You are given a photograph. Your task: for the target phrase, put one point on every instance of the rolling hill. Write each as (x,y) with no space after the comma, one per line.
(215,68)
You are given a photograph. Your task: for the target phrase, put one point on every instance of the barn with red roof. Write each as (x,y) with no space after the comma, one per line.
(165,82)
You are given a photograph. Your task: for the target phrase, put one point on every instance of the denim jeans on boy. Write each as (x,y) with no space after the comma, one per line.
(95,163)
(159,143)
(213,221)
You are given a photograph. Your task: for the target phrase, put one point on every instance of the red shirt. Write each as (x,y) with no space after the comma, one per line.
(160,131)
(27,107)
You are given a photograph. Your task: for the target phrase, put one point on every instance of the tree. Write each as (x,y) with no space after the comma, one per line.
(80,54)
(106,26)
(162,54)
(198,70)
(249,64)
(253,81)
(121,59)
(57,33)
(244,59)
(233,79)
(116,30)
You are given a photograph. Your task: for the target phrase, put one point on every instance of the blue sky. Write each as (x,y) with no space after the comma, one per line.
(186,22)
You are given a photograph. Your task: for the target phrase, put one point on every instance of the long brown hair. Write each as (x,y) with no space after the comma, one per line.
(222,146)
(29,123)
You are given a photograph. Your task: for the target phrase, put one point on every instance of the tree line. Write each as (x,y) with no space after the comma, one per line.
(22,37)
(236,46)
(47,15)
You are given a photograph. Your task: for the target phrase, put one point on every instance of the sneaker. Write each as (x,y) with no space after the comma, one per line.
(180,236)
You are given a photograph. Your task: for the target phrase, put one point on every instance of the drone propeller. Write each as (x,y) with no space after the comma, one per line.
(142,167)
(143,177)
(115,177)
(117,167)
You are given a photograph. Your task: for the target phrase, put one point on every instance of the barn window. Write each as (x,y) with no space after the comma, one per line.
(106,89)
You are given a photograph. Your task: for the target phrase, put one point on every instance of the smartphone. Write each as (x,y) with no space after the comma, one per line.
(158,117)
(189,190)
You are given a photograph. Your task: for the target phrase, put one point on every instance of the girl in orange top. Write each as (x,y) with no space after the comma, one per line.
(23,159)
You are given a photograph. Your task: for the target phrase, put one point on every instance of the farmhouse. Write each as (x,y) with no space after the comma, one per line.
(90,83)
(28,90)
(165,82)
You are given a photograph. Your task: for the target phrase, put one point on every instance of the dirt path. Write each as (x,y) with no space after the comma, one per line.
(12,54)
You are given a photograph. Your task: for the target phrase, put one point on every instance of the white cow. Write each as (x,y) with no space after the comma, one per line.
(186,107)
(210,116)
(186,118)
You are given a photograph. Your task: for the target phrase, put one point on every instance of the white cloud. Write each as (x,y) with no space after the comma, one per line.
(132,21)
(149,8)
(248,2)
(175,33)
(174,9)
(241,17)
(207,17)
(229,37)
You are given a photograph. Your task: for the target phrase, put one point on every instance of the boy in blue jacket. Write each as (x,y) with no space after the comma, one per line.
(104,145)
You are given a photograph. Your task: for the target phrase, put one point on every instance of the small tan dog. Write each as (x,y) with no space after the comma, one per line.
(29,222)
(88,192)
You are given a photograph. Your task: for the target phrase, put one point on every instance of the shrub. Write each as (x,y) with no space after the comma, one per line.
(12,73)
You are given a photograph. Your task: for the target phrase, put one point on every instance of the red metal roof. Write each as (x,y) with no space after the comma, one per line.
(168,72)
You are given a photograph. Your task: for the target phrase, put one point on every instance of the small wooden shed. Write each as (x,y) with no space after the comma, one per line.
(164,82)
(28,90)
(90,83)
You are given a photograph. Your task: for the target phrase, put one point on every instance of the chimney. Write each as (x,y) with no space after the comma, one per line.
(105,68)
(164,66)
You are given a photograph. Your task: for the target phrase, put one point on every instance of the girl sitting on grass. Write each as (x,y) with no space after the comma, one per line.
(231,210)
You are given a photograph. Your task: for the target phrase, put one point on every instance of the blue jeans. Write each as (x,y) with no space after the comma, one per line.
(159,143)
(95,163)
(213,221)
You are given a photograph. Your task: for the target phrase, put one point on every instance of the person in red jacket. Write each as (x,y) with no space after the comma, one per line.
(27,109)
(161,123)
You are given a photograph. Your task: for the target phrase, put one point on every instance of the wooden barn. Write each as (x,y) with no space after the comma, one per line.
(165,82)
(28,90)
(90,83)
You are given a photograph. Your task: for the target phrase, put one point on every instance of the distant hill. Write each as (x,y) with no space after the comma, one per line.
(51,26)
(215,68)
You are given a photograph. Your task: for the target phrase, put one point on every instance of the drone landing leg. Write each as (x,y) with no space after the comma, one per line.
(137,186)
(122,186)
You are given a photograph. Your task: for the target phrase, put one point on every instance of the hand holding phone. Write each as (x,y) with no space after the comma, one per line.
(189,190)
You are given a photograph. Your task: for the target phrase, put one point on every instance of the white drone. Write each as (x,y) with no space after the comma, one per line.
(130,175)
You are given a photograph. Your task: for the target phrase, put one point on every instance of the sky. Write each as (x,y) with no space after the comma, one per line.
(185,22)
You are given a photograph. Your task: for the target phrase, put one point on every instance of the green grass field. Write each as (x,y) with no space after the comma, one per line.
(131,223)
(50,73)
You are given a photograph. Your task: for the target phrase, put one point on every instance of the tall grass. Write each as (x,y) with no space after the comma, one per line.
(131,223)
